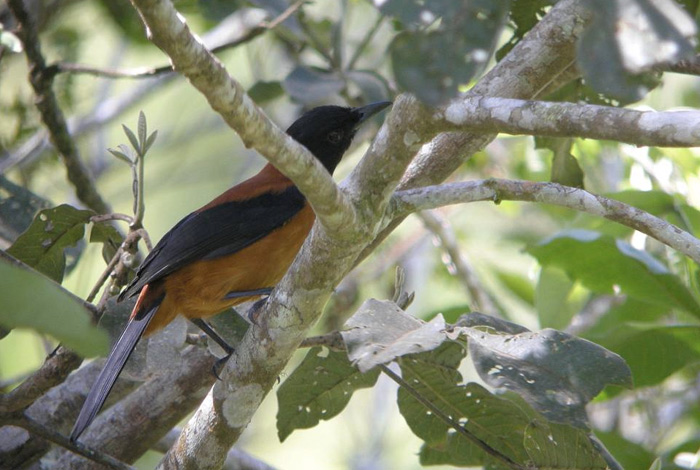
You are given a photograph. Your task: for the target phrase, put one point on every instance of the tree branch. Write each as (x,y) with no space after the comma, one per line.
(430,197)
(151,410)
(236,459)
(148,72)
(189,56)
(558,119)
(440,227)
(51,114)
(536,63)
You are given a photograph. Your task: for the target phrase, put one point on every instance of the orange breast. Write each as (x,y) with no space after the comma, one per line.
(199,289)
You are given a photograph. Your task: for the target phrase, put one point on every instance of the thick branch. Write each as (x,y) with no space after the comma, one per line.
(547,53)
(190,57)
(651,128)
(51,113)
(137,422)
(430,197)
(236,459)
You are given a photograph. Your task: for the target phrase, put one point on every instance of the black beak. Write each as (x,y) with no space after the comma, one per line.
(370,110)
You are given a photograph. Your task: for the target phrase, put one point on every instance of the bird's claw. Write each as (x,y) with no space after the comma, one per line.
(219,365)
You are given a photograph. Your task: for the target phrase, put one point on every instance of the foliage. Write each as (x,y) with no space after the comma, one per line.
(604,307)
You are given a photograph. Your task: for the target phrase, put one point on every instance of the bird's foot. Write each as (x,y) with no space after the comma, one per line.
(219,365)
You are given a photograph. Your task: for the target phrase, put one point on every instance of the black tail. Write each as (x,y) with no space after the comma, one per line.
(114,365)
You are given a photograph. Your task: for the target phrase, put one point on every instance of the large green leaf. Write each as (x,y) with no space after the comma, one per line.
(616,60)
(604,264)
(558,374)
(42,245)
(553,298)
(29,300)
(465,32)
(516,433)
(655,353)
(318,389)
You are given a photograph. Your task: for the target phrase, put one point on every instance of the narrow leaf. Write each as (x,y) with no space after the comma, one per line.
(149,142)
(143,131)
(120,155)
(132,138)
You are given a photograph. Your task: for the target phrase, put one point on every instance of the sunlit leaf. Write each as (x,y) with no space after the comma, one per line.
(30,300)
(380,331)
(604,264)
(54,230)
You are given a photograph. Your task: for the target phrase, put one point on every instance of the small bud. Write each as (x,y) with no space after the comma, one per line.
(114,289)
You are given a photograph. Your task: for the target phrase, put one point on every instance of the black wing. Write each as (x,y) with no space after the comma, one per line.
(214,232)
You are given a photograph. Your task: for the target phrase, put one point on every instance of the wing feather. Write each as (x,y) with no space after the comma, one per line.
(217,231)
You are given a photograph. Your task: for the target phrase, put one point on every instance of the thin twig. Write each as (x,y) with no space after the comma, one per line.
(51,113)
(332,340)
(688,66)
(79,448)
(441,228)
(149,72)
(105,275)
(109,217)
(449,421)
(365,41)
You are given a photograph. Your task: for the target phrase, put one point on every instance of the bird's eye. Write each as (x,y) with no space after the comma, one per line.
(335,137)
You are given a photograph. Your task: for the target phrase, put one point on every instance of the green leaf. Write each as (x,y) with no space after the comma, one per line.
(553,445)
(142,128)
(465,36)
(565,167)
(655,353)
(495,421)
(318,389)
(524,14)
(311,86)
(30,300)
(53,230)
(109,236)
(132,138)
(263,92)
(554,300)
(556,373)
(121,155)
(18,206)
(519,285)
(604,264)
(380,331)
(371,84)
(149,142)
(615,60)
(629,454)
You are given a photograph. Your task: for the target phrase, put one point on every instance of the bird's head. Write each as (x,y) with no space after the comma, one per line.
(327,131)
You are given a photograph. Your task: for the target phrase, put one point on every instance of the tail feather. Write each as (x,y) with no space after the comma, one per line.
(112,368)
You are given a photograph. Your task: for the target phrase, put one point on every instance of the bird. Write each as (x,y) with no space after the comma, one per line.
(231,250)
